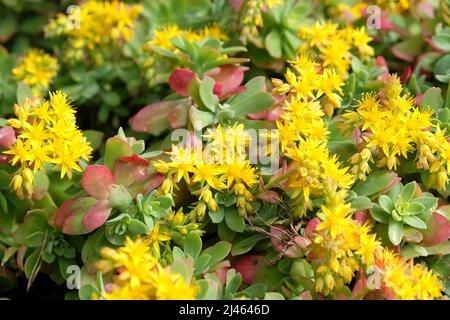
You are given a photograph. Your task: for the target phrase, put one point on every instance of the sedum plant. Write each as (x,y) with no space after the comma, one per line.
(403,206)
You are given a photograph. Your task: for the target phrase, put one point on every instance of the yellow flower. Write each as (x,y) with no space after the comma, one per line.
(95,29)
(37,69)
(47,134)
(154,237)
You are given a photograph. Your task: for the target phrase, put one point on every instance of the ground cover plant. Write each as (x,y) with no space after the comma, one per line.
(225,149)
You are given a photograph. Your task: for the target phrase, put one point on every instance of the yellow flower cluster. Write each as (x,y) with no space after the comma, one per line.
(393,126)
(46,134)
(163,36)
(341,246)
(340,243)
(406,281)
(140,276)
(334,44)
(95,28)
(37,69)
(222,164)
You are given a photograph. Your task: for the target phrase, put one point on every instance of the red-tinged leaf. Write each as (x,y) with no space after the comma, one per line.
(248,266)
(128,170)
(115,148)
(20,255)
(311,227)
(258,116)
(230,78)
(408,49)
(134,159)
(69,216)
(144,186)
(153,118)
(269,196)
(7,137)
(180,79)
(235,5)
(279,237)
(217,89)
(437,231)
(361,217)
(96,216)
(405,76)
(360,288)
(381,62)
(222,275)
(97,181)
(306,295)
(178,116)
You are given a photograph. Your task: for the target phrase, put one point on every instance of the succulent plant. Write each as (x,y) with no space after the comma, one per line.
(403,205)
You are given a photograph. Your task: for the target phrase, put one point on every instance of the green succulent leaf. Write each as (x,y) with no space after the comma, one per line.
(395,231)
(379,214)
(414,222)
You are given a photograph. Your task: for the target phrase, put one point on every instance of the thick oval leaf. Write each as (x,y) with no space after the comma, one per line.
(438,230)
(414,222)
(180,79)
(248,266)
(395,231)
(153,118)
(97,181)
(233,220)
(379,214)
(386,203)
(193,245)
(116,147)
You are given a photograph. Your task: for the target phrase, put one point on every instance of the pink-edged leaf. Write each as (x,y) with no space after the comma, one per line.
(153,118)
(115,148)
(180,79)
(222,275)
(361,217)
(405,76)
(269,196)
(178,116)
(248,266)
(97,181)
(381,62)
(128,170)
(235,5)
(144,186)
(437,231)
(258,116)
(360,288)
(7,137)
(20,255)
(69,216)
(311,227)
(96,216)
(230,78)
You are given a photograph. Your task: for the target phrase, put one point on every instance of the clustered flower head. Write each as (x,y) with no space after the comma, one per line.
(162,36)
(335,44)
(219,165)
(140,276)
(404,280)
(393,127)
(95,28)
(37,69)
(46,134)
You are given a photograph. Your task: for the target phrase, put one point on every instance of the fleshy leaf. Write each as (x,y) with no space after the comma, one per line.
(97,181)
(230,77)
(130,169)
(438,230)
(7,137)
(116,147)
(153,118)
(248,266)
(96,216)
(69,216)
(180,79)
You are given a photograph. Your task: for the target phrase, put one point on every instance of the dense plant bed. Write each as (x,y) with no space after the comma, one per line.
(240,149)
